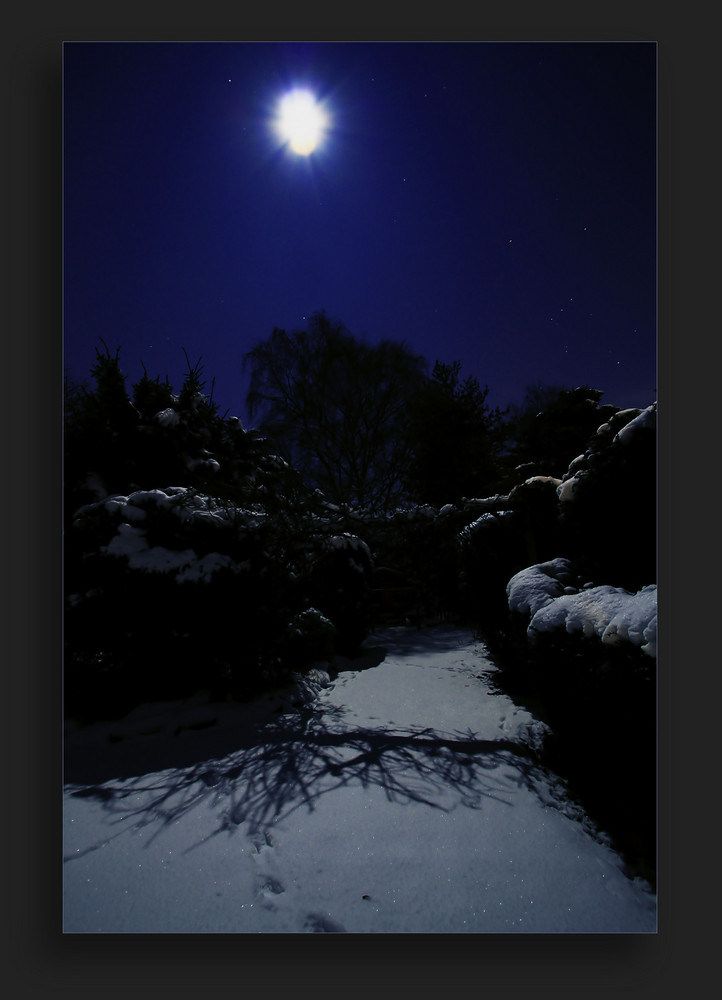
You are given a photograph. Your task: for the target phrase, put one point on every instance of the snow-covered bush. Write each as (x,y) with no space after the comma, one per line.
(609,613)
(339,566)
(161,583)
(175,587)
(608,533)
(550,600)
(551,427)
(523,529)
(234,598)
(121,443)
(419,544)
(491,550)
(533,588)
(608,502)
(310,639)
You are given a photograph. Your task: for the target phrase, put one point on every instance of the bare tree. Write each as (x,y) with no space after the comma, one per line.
(336,406)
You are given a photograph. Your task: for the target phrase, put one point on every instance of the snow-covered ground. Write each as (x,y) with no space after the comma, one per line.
(405,797)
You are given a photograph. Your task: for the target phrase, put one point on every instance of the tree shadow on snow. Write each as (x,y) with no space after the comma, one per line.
(299,760)
(172,737)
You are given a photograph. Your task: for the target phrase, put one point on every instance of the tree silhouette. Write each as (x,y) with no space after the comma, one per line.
(336,406)
(455,438)
(552,427)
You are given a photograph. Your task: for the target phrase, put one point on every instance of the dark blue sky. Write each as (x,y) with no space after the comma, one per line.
(493,203)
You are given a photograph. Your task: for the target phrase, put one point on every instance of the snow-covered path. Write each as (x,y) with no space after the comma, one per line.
(405,798)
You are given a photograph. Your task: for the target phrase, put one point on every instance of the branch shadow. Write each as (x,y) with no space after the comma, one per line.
(298,760)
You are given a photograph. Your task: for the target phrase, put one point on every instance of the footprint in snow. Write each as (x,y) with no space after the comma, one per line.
(263,840)
(269,889)
(317,923)
(271,885)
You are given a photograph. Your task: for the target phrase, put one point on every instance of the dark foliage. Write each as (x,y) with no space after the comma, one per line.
(455,438)
(338,586)
(193,554)
(117,444)
(551,427)
(610,526)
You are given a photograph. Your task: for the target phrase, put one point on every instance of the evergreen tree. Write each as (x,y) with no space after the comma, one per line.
(455,438)
(551,428)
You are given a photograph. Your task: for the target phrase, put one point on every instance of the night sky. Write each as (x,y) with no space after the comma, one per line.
(493,203)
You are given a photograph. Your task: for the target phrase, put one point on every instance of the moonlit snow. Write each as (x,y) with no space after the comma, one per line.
(404,796)
(543,592)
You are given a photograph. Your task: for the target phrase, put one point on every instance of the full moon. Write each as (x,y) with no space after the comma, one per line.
(300,122)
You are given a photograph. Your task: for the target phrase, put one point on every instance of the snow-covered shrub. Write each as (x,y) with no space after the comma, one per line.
(338,585)
(310,639)
(535,508)
(156,438)
(534,587)
(161,582)
(491,550)
(612,614)
(171,587)
(550,428)
(419,545)
(522,530)
(550,600)
(608,502)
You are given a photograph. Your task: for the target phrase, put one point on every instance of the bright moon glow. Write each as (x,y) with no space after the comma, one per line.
(300,122)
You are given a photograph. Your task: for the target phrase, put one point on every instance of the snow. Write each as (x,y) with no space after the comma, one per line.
(202,463)
(536,586)
(405,797)
(611,613)
(347,541)
(646,420)
(567,489)
(201,570)
(533,480)
(168,417)
(130,541)
(481,522)
(625,426)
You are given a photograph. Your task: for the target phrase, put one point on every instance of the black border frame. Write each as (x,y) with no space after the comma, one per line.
(41,957)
